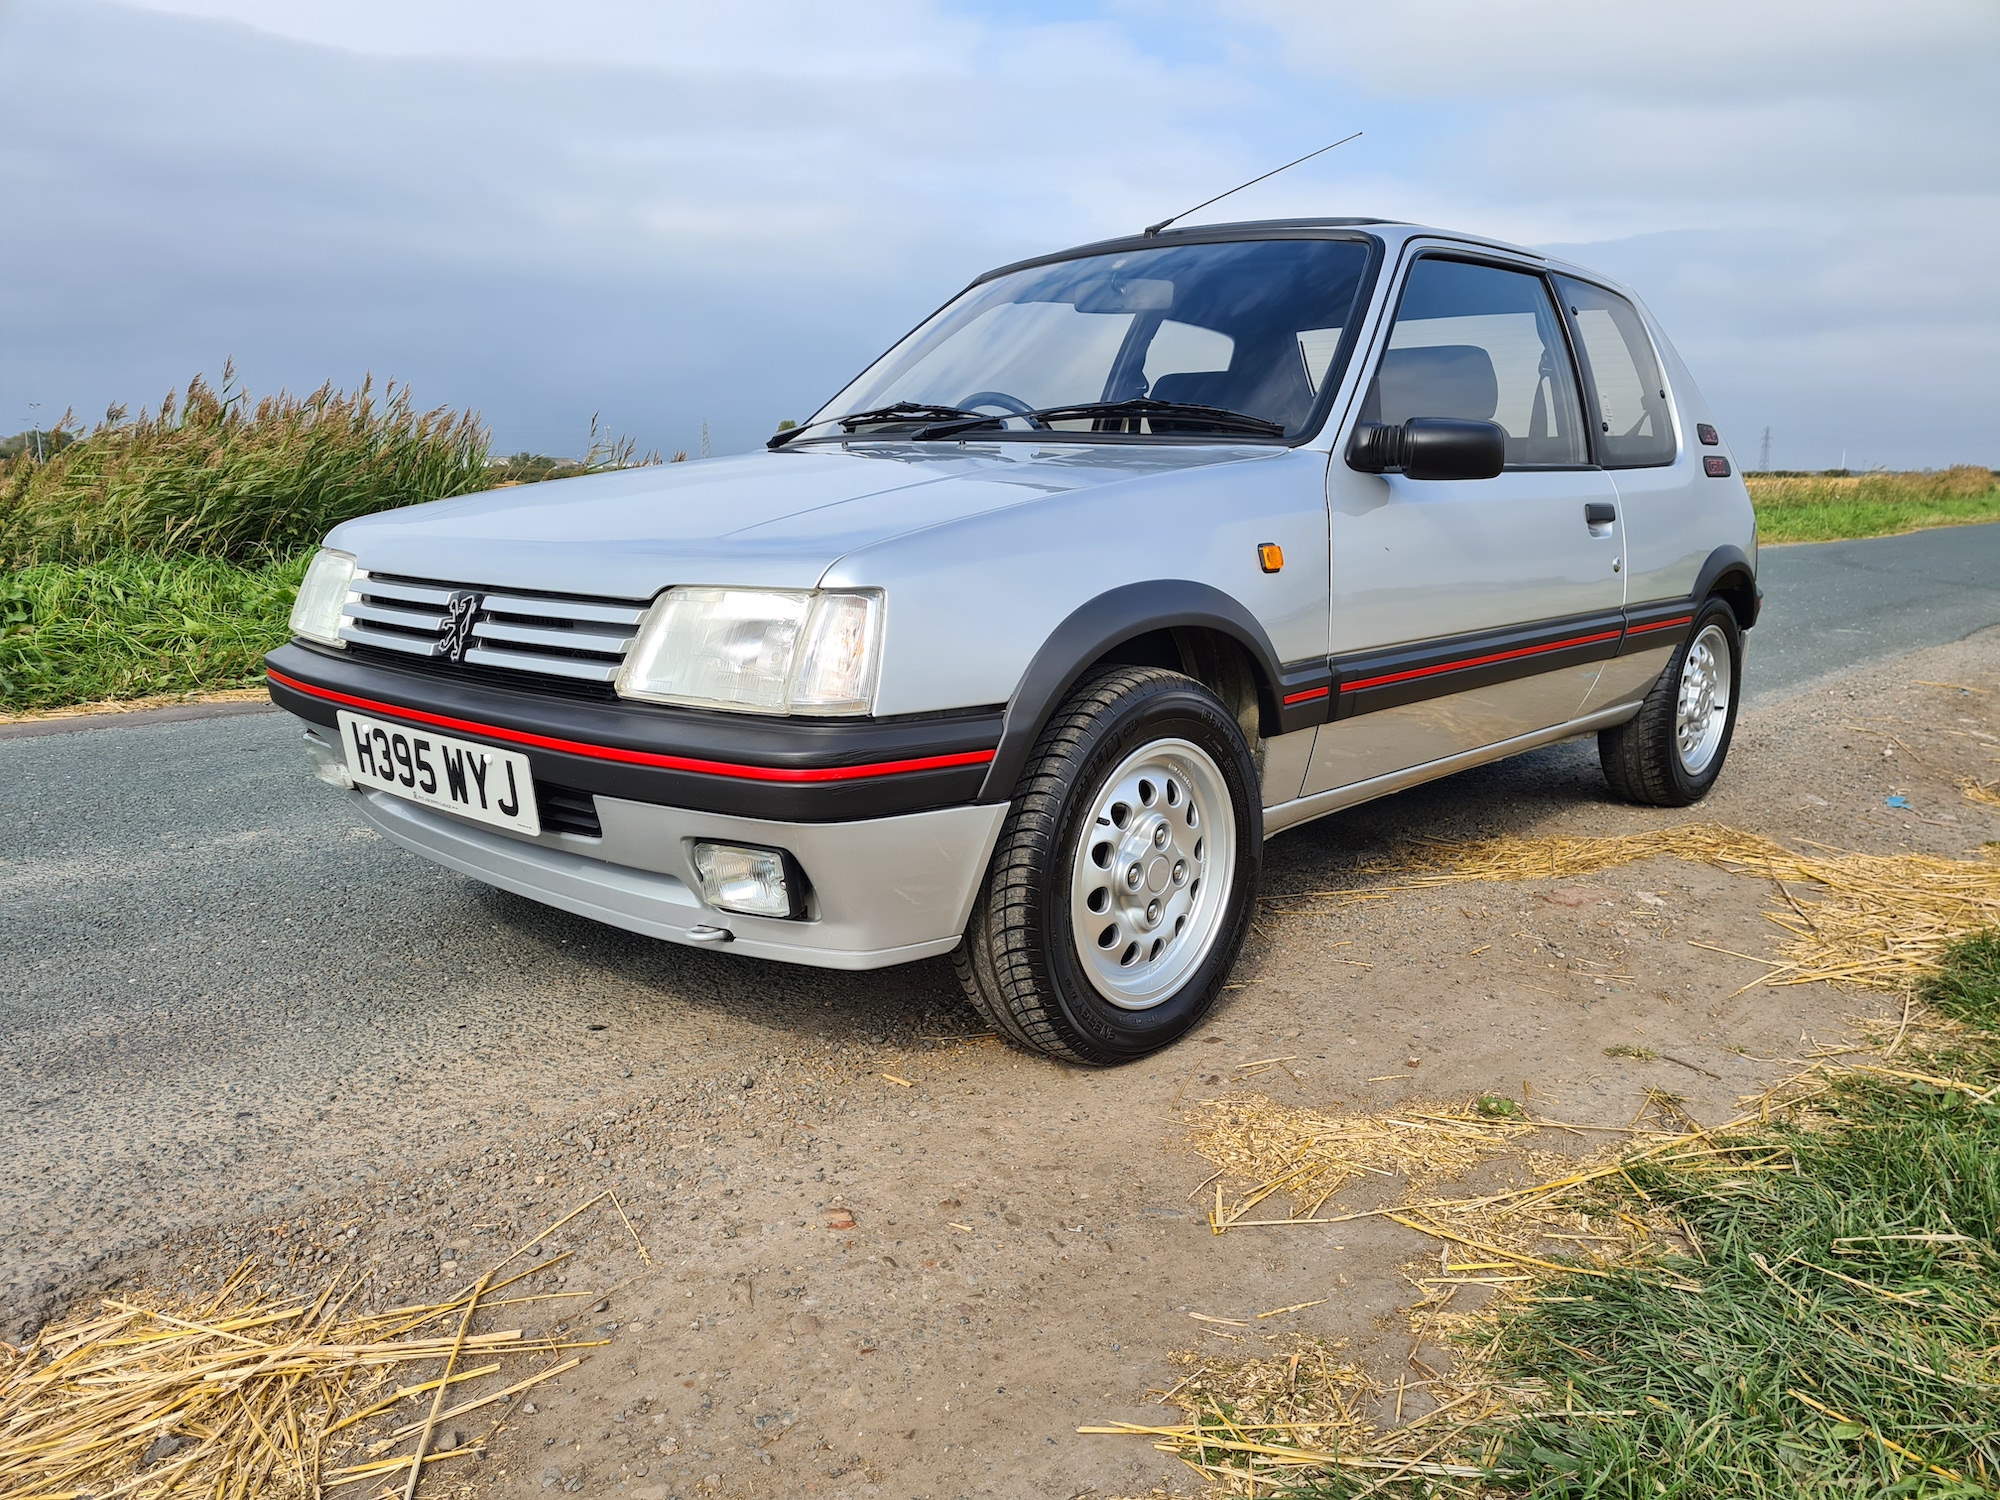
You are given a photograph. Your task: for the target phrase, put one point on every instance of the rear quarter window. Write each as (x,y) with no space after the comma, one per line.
(1628,395)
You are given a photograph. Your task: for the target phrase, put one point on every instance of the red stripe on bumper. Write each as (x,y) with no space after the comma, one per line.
(645,757)
(1658,625)
(1307,696)
(1479,661)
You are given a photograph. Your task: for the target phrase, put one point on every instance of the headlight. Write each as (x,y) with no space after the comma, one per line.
(766,651)
(323,597)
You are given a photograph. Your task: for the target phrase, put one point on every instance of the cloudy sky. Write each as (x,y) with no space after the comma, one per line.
(673,212)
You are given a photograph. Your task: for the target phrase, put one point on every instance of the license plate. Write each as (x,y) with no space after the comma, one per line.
(456,776)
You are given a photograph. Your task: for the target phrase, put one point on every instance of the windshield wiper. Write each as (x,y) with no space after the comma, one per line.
(1138,407)
(902,411)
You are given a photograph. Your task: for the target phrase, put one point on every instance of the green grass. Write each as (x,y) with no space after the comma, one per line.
(1752,1369)
(160,555)
(216,475)
(1837,507)
(134,625)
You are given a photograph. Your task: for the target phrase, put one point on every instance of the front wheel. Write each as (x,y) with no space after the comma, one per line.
(1121,889)
(1670,753)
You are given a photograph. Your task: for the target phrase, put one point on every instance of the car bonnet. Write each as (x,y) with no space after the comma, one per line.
(772,520)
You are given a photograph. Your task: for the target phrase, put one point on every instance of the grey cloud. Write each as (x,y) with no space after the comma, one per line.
(697,228)
(536,240)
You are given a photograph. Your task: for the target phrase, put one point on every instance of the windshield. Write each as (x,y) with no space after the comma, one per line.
(1248,328)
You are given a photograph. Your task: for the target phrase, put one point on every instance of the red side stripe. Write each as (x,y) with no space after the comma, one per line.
(1479,661)
(1307,696)
(646,757)
(1659,625)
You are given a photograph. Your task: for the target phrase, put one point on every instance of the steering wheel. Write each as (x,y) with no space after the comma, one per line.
(1013,406)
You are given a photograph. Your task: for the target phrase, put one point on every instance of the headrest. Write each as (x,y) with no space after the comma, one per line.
(1203,387)
(1442,380)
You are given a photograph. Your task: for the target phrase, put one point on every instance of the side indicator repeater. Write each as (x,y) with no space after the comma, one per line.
(1270,556)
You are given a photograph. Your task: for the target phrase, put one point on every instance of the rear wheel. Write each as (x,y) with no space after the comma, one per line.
(1121,889)
(1671,752)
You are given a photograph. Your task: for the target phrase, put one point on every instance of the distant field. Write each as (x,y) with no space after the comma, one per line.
(1835,507)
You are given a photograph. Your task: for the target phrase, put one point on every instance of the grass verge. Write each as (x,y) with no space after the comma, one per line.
(1800,1305)
(137,625)
(1836,507)
(1831,1328)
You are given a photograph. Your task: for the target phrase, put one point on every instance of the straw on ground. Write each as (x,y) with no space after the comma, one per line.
(1834,1236)
(1882,920)
(237,1397)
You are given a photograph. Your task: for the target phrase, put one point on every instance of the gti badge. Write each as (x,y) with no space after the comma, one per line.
(456,636)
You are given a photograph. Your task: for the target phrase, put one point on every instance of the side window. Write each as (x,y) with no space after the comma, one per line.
(1628,397)
(1482,343)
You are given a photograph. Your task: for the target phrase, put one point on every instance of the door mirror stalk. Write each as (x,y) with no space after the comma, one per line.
(1429,448)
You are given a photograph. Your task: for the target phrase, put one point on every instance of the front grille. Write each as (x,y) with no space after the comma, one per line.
(582,641)
(566,810)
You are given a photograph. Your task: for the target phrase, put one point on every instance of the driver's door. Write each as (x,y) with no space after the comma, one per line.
(1466,613)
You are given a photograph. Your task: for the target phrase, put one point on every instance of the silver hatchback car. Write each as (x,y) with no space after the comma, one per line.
(1126,559)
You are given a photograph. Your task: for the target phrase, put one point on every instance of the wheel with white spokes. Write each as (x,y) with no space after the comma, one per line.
(1120,891)
(1670,753)
(1151,873)
(1701,710)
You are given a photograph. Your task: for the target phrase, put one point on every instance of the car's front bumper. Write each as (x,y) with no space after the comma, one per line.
(878,813)
(882,890)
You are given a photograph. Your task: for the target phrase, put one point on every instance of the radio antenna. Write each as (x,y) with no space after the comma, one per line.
(1153,229)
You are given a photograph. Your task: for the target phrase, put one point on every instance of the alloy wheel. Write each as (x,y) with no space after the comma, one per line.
(1151,873)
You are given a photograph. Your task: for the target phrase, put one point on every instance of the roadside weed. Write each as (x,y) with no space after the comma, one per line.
(133,625)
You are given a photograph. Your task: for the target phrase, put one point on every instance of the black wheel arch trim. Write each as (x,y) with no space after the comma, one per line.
(1136,609)
(1725,565)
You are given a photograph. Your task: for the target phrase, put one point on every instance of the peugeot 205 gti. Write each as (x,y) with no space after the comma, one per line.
(1124,560)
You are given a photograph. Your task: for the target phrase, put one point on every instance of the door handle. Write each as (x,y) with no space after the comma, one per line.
(1598,513)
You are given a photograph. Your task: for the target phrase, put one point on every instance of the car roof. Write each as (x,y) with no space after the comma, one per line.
(1392,230)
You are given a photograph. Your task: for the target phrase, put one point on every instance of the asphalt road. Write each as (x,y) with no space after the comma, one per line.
(1832,606)
(220,992)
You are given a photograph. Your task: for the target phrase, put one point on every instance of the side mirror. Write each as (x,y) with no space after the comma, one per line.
(1430,448)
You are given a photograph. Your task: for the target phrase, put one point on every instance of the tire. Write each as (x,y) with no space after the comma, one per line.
(1070,954)
(1671,752)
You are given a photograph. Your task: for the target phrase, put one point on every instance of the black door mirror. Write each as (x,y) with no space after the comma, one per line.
(1430,448)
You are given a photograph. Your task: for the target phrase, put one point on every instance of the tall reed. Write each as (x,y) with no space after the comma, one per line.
(218,476)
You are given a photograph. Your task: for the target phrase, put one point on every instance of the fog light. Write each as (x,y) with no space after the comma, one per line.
(756,882)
